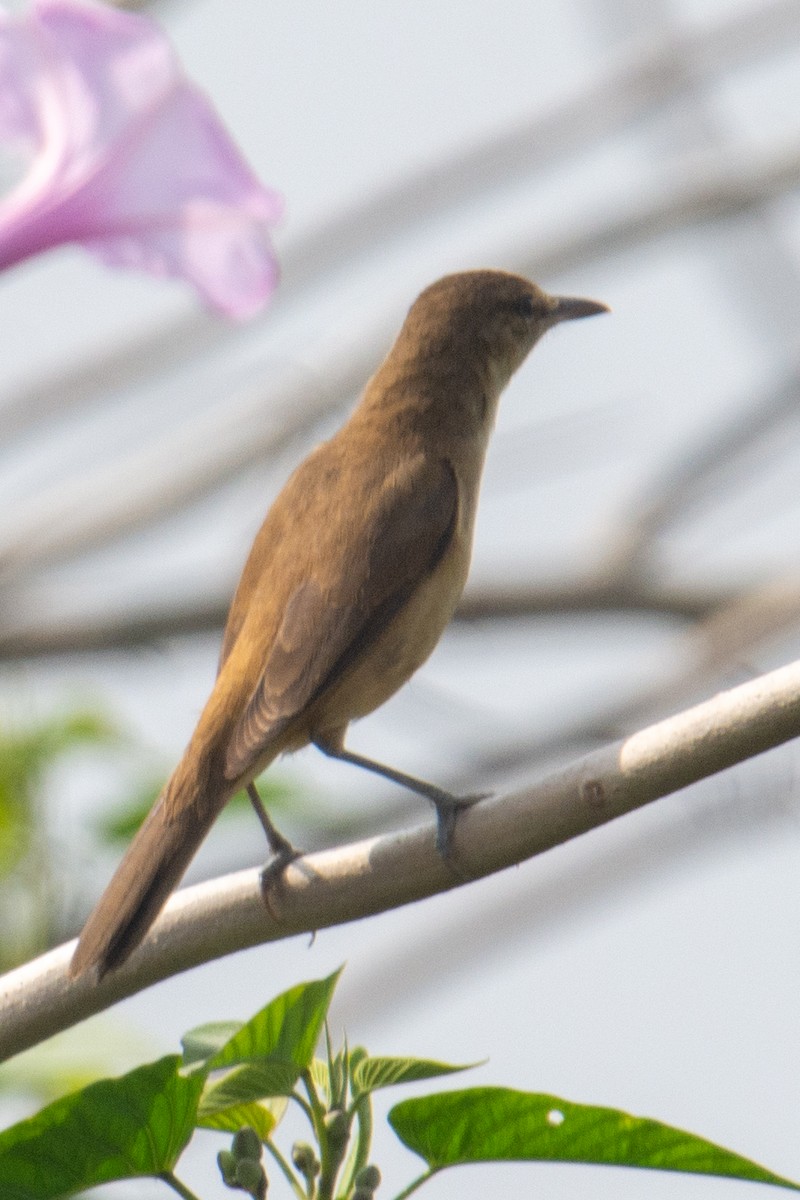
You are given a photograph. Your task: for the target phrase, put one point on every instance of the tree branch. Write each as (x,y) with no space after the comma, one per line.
(638,83)
(24,638)
(717,457)
(345,884)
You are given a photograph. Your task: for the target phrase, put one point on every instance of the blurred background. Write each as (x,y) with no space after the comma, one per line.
(637,549)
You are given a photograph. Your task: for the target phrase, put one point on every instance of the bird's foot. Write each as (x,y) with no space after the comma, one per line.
(448,809)
(283,854)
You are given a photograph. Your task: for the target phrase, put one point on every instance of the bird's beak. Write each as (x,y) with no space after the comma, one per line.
(569,308)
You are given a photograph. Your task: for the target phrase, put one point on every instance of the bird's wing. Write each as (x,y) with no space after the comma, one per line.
(324,629)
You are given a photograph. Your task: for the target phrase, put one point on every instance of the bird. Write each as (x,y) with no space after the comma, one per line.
(349,584)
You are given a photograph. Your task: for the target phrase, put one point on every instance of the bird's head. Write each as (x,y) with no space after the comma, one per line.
(492,317)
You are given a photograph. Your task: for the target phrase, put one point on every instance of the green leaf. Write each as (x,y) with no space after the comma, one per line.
(337,1073)
(285,1030)
(267,1054)
(261,1117)
(246,1083)
(372,1073)
(319,1075)
(203,1042)
(125,1128)
(491,1124)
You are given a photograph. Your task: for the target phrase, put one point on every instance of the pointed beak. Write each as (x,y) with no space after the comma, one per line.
(569,308)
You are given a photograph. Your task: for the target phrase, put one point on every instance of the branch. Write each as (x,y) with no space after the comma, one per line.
(181,465)
(185,463)
(723,188)
(345,884)
(643,79)
(23,638)
(713,459)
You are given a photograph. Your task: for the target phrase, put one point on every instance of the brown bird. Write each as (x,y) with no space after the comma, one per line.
(350,582)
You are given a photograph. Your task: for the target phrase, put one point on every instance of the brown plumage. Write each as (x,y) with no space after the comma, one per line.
(350,582)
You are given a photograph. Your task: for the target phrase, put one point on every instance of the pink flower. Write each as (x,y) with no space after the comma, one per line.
(127,156)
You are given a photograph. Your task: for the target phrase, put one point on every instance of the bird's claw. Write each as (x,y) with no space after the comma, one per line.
(272,872)
(447,812)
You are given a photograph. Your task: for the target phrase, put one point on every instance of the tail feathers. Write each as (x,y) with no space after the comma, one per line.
(152,867)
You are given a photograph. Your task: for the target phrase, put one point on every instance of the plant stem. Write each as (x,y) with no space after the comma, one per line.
(294,1182)
(359,1155)
(415,1183)
(316,1105)
(328,1165)
(175,1183)
(304,1106)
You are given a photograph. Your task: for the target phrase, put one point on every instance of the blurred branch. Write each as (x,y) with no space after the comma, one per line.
(208,921)
(694,472)
(177,468)
(121,496)
(645,78)
(765,285)
(588,597)
(716,192)
(758,612)
(140,5)
(125,365)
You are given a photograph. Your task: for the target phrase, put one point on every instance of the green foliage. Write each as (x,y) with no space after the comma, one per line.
(373,1073)
(493,1124)
(28,863)
(125,1128)
(239,1079)
(285,1031)
(32,898)
(26,755)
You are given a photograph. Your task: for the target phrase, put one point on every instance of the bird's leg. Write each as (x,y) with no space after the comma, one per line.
(446,804)
(283,852)
(280,846)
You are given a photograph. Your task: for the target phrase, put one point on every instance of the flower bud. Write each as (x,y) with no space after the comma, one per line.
(305,1160)
(368,1178)
(338,1127)
(227,1167)
(247,1144)
(250,1176)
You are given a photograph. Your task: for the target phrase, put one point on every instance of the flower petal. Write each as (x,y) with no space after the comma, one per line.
(131,159)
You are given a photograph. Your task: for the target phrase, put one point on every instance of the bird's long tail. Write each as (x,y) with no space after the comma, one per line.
(154,864)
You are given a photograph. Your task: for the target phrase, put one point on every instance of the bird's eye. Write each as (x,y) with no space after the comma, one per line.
(524,306)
